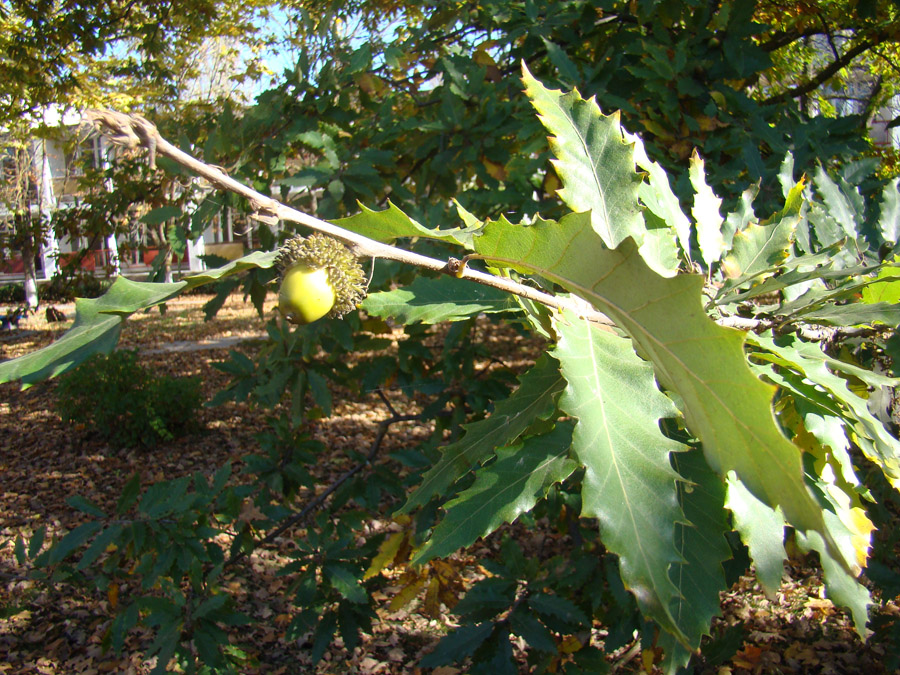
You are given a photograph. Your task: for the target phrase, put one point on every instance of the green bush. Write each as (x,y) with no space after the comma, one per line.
(66,287)
(11,294)
(126,403)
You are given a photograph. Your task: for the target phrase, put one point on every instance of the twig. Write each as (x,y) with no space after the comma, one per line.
(810,333)
(134,130)
(826,73)
(315,503)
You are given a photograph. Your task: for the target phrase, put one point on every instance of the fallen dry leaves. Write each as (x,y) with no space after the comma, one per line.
(59,630)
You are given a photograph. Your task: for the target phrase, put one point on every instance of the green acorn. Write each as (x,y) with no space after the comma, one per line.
(319,276)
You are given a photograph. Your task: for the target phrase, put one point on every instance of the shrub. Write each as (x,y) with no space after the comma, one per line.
(11,294)
(126,403)
(67,287)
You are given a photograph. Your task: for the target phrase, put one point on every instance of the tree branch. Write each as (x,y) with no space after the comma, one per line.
(784,38)
(826,73)
(133,131)
(317,501)
(807,332)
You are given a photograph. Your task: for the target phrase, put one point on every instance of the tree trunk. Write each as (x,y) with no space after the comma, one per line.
(31,289)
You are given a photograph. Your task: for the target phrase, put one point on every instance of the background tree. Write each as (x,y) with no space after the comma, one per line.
(657,403)
(160,58)
(428,102)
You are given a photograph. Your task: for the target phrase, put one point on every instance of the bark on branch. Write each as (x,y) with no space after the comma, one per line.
(133,131)
(826,73)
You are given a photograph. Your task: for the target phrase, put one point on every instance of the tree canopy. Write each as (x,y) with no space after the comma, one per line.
(643,188)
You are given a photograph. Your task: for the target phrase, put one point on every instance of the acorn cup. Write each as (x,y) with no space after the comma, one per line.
(319,277)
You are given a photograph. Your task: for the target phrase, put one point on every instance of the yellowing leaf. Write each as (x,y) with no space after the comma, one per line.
(887,289)
(432,604)
(386,554)
(112,594)
(495,169)
(407,594)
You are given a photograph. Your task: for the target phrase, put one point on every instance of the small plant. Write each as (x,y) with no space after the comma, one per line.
(11,294)
(126,403)
(65,287)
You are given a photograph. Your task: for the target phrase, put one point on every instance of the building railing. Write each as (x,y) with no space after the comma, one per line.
(94,261)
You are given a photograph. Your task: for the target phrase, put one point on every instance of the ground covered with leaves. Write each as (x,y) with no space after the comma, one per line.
(59,629)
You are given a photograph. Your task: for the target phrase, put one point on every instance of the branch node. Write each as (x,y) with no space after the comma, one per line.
(130,131)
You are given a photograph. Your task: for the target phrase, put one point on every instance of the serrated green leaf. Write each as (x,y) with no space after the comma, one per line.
(495,655)
(98,321)
(743,215)
(391,224)
(98,546)
(830,431)
(503,490)
(656,194)
(124,622)
(533,631)
(816,366)
(593,160)
(793,277)
(889,219)
(845,515)
(486,599)
(79,503)
(557,610)
(840,207)
(535,399)
(629,483)
(95,330)
(855,314)
(129,495)
(348,624)
(437,300)
(828,231)
(206,644)
(706,213)
(759,248)
(786,174)
(19,551)
(211,604)
(346,583)
(73,540)
(762,530)
(821,298)
(561,60)
(37,541)
(161,214)
(164,645)
(176,238)
(703,547)
(321,394)
(256,259)
(842,588)
(725,405)
(660,247)
(457,645)
(323,636)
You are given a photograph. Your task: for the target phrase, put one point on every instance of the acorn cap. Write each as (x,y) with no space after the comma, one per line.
(345,275)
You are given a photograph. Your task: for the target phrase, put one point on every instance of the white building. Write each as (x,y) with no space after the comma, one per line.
(55,171)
